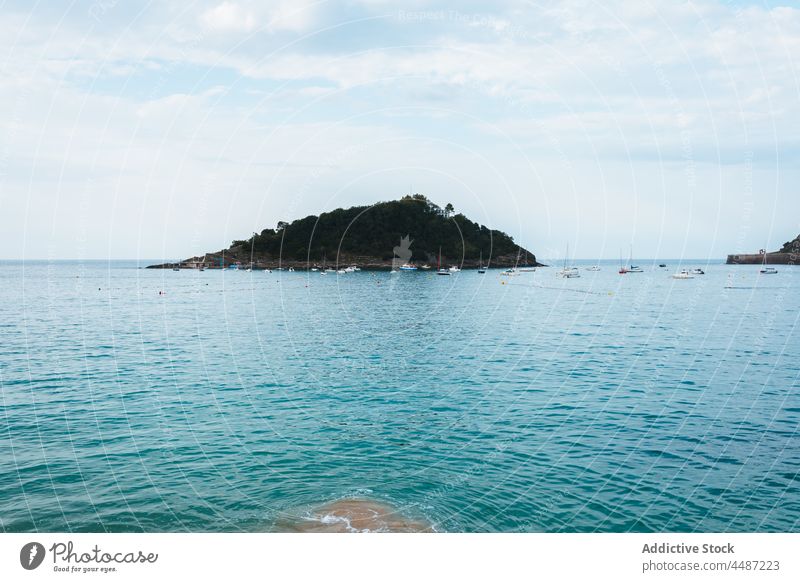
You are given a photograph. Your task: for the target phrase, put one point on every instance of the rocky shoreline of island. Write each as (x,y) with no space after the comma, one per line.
(364,263)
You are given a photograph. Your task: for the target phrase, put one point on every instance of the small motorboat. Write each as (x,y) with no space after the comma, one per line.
(569,273)
(635,269)
(683,274)
(176,268)
(769,271)
(425,267)
(527,269)
(455,269)
(408,267)
(663,266)
(510,273)
(698,272)
(593,268)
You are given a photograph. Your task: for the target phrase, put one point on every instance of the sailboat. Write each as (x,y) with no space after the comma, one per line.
(631,268)
(765,270)
(439,269)
(525,268)
(252,249)
(568,272)
(481,268)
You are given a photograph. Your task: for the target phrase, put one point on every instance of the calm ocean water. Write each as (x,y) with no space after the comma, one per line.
(235,400)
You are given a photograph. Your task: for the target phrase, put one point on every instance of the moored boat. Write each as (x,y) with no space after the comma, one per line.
(568,272)
(439,269)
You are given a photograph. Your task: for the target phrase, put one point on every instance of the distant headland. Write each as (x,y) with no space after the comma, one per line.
(789,254)
(411,230)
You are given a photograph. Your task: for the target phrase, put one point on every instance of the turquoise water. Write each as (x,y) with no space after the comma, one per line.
(605,403)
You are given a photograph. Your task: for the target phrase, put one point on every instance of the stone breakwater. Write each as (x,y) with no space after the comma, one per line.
(758,259)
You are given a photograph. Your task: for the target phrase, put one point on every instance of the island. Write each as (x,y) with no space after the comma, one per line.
(410,231)
(787,255)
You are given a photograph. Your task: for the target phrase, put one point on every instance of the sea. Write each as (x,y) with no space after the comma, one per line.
(136,400)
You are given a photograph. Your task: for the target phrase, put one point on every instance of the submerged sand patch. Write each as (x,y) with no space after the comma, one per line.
(356,515)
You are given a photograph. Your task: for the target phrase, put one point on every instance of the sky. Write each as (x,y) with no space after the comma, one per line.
(163,130)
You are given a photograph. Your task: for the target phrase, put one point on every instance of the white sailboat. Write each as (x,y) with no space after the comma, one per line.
(439,269)
(765,270)
(631,268)
(568,272)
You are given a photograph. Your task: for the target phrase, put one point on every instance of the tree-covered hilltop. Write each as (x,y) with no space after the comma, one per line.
(374,231)
(792,246)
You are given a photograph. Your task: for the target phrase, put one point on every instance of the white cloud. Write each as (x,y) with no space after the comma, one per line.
(229,17)
(274,16)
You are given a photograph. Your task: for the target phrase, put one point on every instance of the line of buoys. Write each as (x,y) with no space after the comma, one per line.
(584,291)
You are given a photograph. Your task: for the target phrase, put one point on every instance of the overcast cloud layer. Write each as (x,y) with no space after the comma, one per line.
(136,129)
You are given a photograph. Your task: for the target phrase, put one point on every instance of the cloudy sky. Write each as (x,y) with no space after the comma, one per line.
(161,130)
